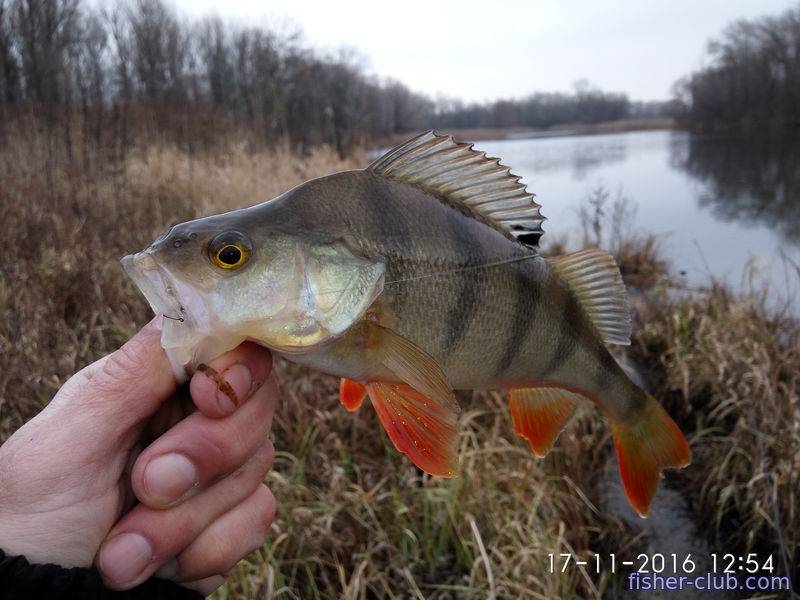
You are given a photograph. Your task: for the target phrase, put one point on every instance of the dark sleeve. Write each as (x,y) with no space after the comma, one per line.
(20,580)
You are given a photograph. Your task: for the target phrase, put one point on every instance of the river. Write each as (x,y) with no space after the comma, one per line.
(724,209)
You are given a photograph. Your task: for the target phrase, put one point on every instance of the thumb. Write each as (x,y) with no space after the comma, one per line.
(123,389)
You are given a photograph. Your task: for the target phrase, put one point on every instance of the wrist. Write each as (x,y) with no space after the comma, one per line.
(21,577)
(43,543)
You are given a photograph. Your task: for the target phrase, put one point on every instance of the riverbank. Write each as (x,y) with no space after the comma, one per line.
(355,518)
(566,129)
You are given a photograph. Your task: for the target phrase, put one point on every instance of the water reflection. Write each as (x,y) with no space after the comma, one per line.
(751,181)
(580,154)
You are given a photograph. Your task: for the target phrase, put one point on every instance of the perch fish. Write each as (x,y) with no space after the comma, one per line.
(409,279)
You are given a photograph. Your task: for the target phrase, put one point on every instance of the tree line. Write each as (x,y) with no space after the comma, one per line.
(127,69)
(752,80)
(587,104)
(107,75)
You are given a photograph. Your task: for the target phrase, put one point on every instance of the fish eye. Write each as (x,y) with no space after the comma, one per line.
(229,251)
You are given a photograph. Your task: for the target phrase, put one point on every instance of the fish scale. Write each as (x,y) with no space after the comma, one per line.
(410,279)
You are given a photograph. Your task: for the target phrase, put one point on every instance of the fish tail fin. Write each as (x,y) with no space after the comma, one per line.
(646,443)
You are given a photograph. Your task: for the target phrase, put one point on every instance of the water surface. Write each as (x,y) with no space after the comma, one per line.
(724,207)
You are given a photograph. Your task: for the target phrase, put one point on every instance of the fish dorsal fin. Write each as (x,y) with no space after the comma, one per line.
(466,178)
(597,283)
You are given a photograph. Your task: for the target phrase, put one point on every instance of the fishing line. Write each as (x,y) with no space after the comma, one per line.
(461,270)
(498,263)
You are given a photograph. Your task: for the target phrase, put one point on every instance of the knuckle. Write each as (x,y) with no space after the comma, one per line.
(266,454)
(213,450)
(227,555)
(267,509)
(122,366)
(133,353)
(259,361)
(219,555)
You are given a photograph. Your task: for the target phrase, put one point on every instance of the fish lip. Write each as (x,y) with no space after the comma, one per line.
(160,289)
(156,284)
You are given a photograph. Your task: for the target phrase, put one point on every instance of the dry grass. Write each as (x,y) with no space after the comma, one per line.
(356,520)
(729,368)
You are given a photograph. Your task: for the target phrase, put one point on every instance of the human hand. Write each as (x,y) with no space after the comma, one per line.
(116,432)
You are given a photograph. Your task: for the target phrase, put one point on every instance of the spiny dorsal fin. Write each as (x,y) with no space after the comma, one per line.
(462,176)
(597,283)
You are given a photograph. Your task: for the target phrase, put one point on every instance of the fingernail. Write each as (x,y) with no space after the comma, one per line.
(123,558)
(168,478)
(240,381)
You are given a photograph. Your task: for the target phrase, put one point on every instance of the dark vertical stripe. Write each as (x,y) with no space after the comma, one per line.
(524,315)
(571,320)
(605,370)
(465,303)
(388,215)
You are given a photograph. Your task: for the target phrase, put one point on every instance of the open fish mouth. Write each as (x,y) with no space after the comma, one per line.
(156,285)
(163,292)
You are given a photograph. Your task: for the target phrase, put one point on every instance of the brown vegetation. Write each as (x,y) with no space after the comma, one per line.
(729,369)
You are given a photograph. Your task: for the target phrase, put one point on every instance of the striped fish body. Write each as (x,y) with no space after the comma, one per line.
(490,310)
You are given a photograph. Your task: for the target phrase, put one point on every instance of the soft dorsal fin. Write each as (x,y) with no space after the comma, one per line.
(597,283)
(456,173)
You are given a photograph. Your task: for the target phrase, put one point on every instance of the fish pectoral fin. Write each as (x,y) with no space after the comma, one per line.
(351,394)
(539,414)
(646,444)
(412,365)
(420,412)
(422,429)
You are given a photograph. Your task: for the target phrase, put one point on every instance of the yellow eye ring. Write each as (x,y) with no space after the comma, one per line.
(231,255)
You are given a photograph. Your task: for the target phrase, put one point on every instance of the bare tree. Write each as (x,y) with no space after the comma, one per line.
(10,91)
(45,30)
(752,81)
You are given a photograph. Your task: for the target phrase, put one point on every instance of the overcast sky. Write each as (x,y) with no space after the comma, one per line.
(508,48)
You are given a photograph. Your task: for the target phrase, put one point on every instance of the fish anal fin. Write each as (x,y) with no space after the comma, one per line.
(351,394)
(593,276)
(539,414)
(420,428)
(646,445)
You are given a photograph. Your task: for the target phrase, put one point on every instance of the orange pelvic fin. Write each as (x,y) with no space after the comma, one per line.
(351,394)
(540,414)
(645,446)
(420,428)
